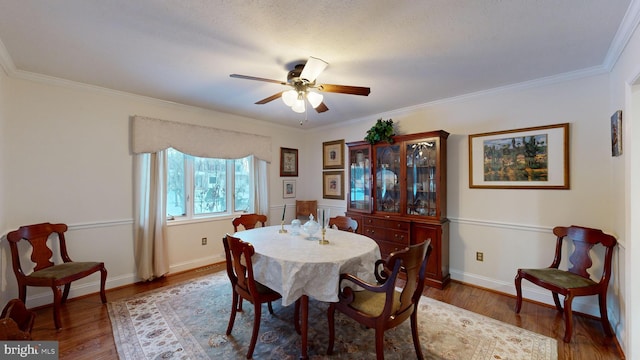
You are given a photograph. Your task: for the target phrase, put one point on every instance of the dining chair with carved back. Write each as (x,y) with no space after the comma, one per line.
(388,303)
(575,281)
(46,273)
(249,221)
(344,223)
(240,271)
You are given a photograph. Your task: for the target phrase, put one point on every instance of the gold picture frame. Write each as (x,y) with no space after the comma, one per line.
(333,185)
(333,154)
(527,158)
(288,162)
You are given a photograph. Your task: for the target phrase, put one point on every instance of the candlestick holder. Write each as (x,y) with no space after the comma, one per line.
(323,241)
(282,229)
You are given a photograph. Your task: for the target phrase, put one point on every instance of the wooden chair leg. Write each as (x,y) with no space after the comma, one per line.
(556,300)
(256,327)
(232,317)
(332,331)
(568,318)
(103,281)
(518,282)
(414,334)
(65,293)
(604,317)
(270,308)
(22,293)
(57,297)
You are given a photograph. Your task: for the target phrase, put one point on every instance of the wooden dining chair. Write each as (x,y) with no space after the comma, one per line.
(344,223)
(46,273)
(575,281)
(248,221)
(304,208)
(382,306)
(240,271)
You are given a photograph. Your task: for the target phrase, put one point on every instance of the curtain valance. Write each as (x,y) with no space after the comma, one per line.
(152,135)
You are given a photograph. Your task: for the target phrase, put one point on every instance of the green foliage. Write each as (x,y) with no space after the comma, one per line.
(381,131)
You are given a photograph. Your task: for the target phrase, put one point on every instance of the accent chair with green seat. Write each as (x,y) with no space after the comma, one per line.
(46,273)
(575,281)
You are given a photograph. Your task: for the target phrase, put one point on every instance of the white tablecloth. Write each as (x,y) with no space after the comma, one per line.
(294,266)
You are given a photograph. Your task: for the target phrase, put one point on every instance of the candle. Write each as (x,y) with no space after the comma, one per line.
(283,211)
(323,223)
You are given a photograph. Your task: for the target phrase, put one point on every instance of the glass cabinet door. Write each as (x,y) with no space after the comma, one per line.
(359,179)
(422,179)
(386,180)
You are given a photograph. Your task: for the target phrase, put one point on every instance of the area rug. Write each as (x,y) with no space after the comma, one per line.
(189,320)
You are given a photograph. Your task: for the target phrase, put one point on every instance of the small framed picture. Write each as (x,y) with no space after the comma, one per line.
(288,162)
(616,133)
(333,185)
(288,188)
(333,154)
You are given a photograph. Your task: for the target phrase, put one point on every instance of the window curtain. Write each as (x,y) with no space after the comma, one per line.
(261,187)
(150,215)
(150,138)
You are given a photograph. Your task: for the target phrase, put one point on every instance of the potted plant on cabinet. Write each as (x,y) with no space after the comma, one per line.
(382,130)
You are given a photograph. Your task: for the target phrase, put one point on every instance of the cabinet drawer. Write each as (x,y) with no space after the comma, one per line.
(389,235)
(387,223)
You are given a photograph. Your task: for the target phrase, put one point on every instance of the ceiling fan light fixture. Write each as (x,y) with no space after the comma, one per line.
(314,98)
(299,106)
(290,97)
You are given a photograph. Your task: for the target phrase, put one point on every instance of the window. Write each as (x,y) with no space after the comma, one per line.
(204,187)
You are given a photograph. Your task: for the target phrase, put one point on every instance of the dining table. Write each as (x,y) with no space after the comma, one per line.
(300,266)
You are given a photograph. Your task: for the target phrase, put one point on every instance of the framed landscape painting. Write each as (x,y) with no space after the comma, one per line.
(528,158)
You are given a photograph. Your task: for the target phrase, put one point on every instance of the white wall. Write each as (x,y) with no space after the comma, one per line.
(625,96)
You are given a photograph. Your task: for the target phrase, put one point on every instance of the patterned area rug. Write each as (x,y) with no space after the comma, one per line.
(189,320)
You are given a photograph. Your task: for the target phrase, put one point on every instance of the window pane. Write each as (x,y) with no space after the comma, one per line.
(242,184)
(209,183)
(175,183)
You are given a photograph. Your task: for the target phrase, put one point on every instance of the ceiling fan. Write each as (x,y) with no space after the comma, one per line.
(302,79)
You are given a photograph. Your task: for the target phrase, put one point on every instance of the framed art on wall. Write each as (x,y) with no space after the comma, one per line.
(288,162)
(288,188)
(333,154)
(528,158)
(616,133)
(333,185)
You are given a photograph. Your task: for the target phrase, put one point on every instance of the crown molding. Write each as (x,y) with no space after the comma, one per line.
(623,35)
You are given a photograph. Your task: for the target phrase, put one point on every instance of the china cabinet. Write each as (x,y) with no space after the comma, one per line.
(397,193)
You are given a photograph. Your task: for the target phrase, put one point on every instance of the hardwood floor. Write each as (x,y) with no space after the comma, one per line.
(86,332)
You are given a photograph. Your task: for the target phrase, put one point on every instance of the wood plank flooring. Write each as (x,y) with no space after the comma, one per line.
(86,332)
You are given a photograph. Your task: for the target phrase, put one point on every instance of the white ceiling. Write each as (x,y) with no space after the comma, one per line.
(408,52)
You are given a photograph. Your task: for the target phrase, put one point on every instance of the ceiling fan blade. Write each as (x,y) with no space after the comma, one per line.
(321,108)
(344,89)
(312,69)
(246,77)
(270,98)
